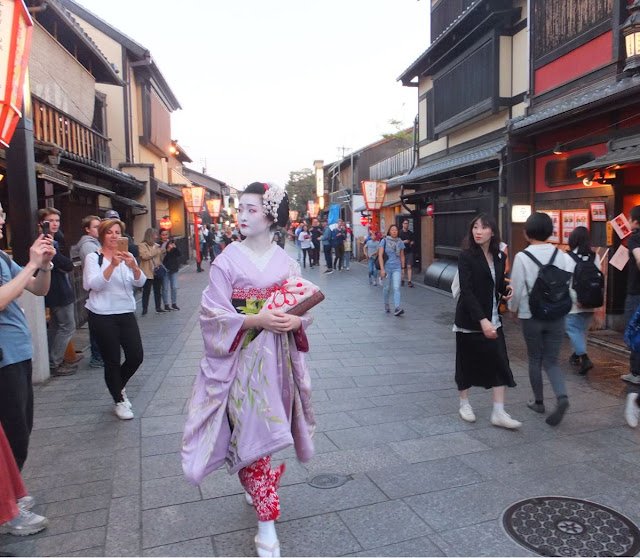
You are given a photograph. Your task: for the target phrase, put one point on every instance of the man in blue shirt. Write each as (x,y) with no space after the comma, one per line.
(16,390)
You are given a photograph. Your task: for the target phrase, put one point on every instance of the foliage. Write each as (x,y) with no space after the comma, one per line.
(405,135)
(301,188)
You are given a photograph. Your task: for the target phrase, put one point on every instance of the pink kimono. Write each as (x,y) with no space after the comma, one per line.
(252,396)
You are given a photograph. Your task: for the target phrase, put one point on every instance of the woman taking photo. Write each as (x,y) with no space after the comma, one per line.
(579,317)
(171,262)
(109,276)
(481,352)
(151,255)
(392,250)
(305,244)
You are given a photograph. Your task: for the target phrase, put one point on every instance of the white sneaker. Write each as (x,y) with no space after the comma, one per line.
(26,503)
(26,523)
(502,418)
(125,399)
(631,378)
(123,412)
(631,410)
(466,412)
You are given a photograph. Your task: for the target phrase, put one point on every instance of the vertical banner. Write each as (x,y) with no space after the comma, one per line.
(334,214)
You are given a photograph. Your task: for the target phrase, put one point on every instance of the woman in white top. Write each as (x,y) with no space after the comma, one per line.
(578,319)
(109,276)
(305,244)
(543,337)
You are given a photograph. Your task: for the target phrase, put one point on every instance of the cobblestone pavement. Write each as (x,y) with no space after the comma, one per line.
(421,481)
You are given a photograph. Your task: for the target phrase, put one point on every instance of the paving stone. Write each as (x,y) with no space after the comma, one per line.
(465,505)
(123,529)
(371,436)
(196,547)
(387,414)
(384,523)
(59,545)
(302,500)
(339,405)
(87,520)
(321,535)
(164,443)
(429,476)
(78,505)
(484,539)
(167,491)
(422,546)
(154,426)
(438,447)
(159,466)
(164,407)
(347,462)
(334,421)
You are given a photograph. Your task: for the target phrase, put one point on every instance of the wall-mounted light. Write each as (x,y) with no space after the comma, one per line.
(588,180)
(631,31)
(557,150)
(520,213)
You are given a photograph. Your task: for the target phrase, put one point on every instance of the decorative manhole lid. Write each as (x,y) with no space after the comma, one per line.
(328,480)
(558,526)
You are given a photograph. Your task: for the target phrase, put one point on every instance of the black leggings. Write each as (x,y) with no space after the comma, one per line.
(16,407)
(306,252)
(112,331)
(156,282)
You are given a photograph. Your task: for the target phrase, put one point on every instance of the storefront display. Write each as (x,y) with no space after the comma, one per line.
(598,211)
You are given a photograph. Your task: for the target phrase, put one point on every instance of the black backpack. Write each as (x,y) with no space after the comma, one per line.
(549,299)
(588,281)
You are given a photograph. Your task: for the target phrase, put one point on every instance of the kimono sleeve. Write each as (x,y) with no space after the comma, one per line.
(218,318)
(307,319)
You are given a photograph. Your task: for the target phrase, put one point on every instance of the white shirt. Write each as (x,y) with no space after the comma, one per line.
(305,240)
(114,296)
(525,272)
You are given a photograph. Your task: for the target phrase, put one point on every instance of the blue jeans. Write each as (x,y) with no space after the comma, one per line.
(631,304)
(392,279)
(170,281)
(347,258)
(576,326)
(373,270)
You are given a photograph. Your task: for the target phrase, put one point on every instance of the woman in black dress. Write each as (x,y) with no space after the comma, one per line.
(481,352)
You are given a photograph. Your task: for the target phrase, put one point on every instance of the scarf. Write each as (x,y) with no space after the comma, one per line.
(394,244)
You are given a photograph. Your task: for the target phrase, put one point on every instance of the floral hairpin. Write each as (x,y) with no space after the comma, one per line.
(271,200)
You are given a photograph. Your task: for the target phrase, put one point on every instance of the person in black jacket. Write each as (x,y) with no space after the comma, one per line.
(481,352)
(172,262)
(60,299)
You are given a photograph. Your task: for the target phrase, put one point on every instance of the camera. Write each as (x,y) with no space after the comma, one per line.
(46,230)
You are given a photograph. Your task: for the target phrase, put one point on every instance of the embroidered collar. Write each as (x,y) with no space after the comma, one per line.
(260,261)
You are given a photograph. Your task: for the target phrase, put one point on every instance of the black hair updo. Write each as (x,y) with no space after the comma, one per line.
(283,209)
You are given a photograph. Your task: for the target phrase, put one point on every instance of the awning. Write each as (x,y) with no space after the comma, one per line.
(53,175)
(92,188)
(620,152)
(166,189)
(485,152)
(140,207)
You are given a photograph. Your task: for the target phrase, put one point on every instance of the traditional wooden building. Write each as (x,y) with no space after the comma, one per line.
(575,152)
(471,80)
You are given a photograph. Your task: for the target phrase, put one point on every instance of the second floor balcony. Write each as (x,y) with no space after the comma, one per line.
(55,127)
(393,166)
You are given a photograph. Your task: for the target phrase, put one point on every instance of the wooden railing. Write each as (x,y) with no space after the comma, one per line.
(54,126)
(445,13)
(393,166)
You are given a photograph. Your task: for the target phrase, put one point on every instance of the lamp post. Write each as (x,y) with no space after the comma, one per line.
(313,208)
(631,31)
(374,193)
(214,205)
(293,215)
(193,197)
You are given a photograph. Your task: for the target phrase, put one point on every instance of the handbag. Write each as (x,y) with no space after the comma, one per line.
(159,271)
(385,257)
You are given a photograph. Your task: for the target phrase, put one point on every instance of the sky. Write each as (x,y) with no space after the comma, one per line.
(267,87)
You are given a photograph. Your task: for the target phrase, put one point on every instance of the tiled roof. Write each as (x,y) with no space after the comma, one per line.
(621,152)
(577,101)
(485,152)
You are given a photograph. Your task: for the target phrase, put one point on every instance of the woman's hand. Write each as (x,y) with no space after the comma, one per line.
(489,331)
(129,260)
(279,322)
(383,273)
(509,294)
(118,257)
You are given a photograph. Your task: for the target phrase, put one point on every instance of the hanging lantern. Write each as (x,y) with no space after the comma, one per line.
(364,221)
(631,32)
(293,215)
(213,207)
(16,29)
(165,223)
(198,220)
(312,208)
(321,202)
(193,197)
(430,210)
(374,193)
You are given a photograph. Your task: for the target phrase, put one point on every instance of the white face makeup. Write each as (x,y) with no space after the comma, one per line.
(251,217)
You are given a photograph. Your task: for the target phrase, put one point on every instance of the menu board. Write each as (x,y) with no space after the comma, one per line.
(598,211)
(582,218)
(568,224)
(555,219)
(621,225)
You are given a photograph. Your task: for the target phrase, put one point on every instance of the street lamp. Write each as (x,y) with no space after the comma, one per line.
(17,27)
(313,208)
(213,207)
(193,197)
(374,193)
(165,223)
(631,31)
(293,215)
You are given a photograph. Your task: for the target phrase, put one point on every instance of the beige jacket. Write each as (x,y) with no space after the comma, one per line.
(150,257)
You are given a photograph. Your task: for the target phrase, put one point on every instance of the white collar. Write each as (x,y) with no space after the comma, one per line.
(259,260)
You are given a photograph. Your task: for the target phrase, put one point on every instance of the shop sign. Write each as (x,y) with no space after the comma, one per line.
(555,219)
(520,213)
(598,211)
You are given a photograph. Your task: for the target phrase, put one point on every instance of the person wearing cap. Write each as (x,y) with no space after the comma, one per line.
(112,214)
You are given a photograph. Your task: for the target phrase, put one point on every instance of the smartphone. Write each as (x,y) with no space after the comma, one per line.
(46,230)
(123,244)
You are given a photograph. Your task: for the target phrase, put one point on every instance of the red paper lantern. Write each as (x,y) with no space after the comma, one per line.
(213,207)
(165,223)
(430,210)
(16,29)
(198,220)
(374,193)
(364,221)
(193,197)
(313,208)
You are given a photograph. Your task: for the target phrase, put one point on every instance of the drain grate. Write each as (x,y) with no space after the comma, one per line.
(328,480)
(558,526)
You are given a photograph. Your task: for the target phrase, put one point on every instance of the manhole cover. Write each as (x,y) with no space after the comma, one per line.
(328,480)
(556,526)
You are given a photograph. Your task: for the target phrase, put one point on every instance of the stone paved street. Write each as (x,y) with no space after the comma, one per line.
(421,481)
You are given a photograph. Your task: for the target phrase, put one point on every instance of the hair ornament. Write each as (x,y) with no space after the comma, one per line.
(271,200)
